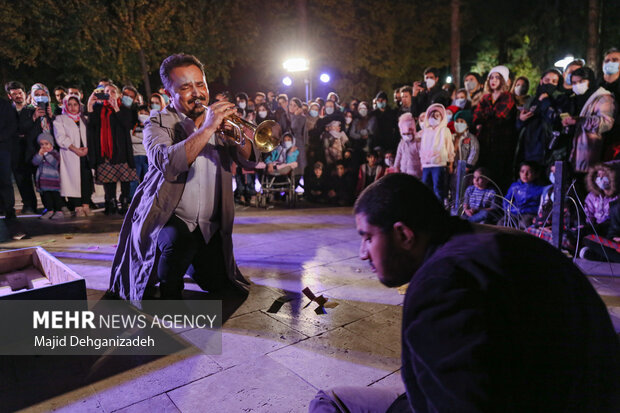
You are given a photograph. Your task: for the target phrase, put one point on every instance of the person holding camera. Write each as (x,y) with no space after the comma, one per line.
(34,119)
(109,145)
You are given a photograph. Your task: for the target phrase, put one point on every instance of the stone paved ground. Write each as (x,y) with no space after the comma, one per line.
(270,362)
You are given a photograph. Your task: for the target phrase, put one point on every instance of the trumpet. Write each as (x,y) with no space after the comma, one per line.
(267,135)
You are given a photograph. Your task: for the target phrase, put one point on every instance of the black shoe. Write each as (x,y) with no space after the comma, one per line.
(124,206)
(110,207)
(28,211)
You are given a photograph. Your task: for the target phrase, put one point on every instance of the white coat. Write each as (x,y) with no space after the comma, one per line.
(67,133)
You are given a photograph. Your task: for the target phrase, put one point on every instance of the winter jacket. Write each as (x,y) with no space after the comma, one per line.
(408,158)
(437,146)
(468,149)
(597,202)
(523,198)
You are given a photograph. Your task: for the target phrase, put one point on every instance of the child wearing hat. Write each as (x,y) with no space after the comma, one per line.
(467,146)
(47,178)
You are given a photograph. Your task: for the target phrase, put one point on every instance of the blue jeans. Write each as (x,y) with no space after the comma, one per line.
(142,166)
(435,178)
(479,216)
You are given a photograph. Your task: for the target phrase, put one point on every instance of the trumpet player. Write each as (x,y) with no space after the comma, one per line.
(181,217)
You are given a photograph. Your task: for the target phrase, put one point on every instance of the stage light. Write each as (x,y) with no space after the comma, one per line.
(325,78)
(297,64)
(449,79)
(287,81)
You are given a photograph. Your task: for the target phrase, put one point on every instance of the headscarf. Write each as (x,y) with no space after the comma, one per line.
(584,73)
(40,86)
(105,135)
(73,117)
(283,152)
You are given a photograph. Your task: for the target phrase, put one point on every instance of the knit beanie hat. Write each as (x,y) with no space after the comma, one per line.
(466,115)
(45,136)
(502,70)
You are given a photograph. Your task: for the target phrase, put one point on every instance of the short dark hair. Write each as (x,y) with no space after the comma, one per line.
(432,70)
(584,72)
(402,198)
(483,171)
(474,74)
(408,89)
(611,50)
(144,107)
(60,88)
(177,60)
(242,96)
(131,88)
(296,101)
(12,85)
(75,87)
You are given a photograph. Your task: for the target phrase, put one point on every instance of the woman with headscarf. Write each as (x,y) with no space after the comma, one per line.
(157,102)
(362,131)
(538,119)
(76,179)
(34,119)
(109,145)
(298,128)
(283,159)
(592,114)
(494,122)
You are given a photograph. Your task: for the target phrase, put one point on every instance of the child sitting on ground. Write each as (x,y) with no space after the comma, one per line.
(523,197)
(369,172)
(479,199)
(601,184)
(315,184)
(408,152)
(341,186)
(47,179)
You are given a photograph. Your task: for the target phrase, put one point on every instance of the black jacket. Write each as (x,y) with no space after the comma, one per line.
(424,99)
(500,321)
(120,123)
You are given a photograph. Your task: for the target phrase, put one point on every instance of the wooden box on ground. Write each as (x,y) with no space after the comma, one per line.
(34,274)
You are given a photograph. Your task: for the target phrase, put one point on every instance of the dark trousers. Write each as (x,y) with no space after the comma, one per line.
(52,200)
(435,178)
(24,178)
(7,196)
(109,190)
(182,250)
(86,185)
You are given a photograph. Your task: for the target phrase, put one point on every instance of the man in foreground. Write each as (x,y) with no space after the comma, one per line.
(181,217)
(493,320)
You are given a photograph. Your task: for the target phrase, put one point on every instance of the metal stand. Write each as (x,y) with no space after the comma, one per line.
(461,168)
(559,188)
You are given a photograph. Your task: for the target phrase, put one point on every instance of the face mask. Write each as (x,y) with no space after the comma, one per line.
(263,114)
(460,127)
(581,88)
(552,178)
(329,111)
(408,138)
(433,122)
(611,68)
(430,83)
(143,118)
(381,105)
(470,85)
(166,98)
(41,99)
(288,144)
(242,105)
(602,182)
(388,161)
(348,120)
(449,116)
(127,101)
(156,107)
(363,112)
(547,88)
(460,102)
(519,90)
(314,113)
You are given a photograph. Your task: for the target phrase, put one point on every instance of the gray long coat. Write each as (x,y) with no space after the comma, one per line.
(135,261)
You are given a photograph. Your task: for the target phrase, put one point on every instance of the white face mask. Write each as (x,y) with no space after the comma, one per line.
(363,112)
(329,111)
(449,116)
(143,118)
(389,161)
(460,102)
(242,105)
(433,122)
(460,127)
(348,120)
(262,114)
(581,88)
(408,138)
(519,90)
(288,144)
(430,83)
(470,85)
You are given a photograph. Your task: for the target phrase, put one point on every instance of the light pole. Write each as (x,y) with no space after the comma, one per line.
(300,64)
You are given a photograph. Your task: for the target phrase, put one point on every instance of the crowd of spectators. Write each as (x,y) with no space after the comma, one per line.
(508,129)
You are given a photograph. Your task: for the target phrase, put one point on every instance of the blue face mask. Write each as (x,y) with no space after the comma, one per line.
(552,177)
(381,105)
(41,99)
(611,68)
(314,113)
(127,101)
(602,182)
(156,107)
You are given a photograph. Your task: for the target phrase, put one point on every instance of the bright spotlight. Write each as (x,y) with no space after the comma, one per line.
(297,64)
(449,79)
(287,81)
(564,62)
(325,78)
